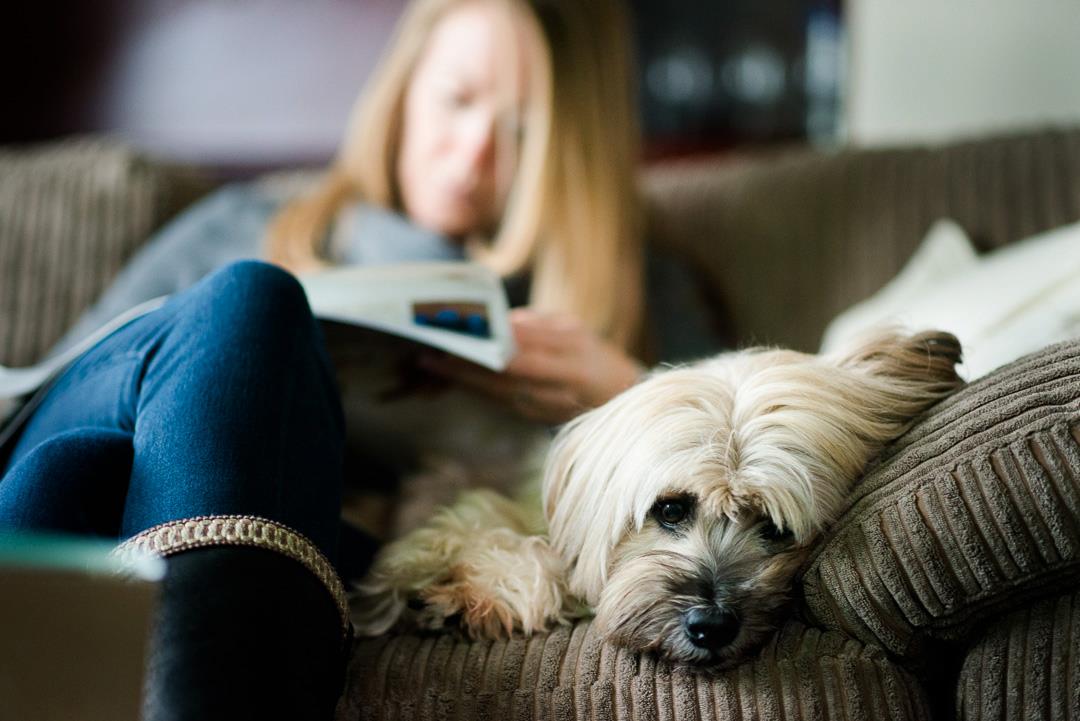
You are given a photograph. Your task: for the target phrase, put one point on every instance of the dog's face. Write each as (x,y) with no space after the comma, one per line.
(685,506)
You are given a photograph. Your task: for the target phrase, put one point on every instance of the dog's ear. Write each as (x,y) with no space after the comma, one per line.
(903,374)
(816,425)
(928,358)
(573,506)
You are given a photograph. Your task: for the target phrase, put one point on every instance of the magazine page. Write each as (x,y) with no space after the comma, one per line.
(460,308)
(377,322)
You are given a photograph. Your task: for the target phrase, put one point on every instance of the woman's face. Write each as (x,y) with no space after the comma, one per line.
(462,117)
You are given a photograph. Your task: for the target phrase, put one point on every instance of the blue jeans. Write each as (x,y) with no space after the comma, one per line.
(220,402)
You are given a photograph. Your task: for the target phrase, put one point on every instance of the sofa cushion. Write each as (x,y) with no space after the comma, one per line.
(1002,305)
(569,674)
(973,513)
(1026,667)
(71,213)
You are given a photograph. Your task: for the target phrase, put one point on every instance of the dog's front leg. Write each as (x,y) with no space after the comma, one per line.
(481,562)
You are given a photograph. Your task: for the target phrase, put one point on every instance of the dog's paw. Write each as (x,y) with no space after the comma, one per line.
(462,597)
(445,604)
(453,601)
(476,563)
(506,583)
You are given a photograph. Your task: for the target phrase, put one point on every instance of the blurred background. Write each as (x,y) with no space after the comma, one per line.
(247,85)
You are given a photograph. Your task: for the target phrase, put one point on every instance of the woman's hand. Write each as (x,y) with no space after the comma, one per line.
(561,369)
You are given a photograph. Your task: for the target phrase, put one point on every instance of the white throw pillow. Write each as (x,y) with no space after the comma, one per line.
(1001,306)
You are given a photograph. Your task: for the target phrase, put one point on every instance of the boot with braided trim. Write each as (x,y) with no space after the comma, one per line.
(252,623)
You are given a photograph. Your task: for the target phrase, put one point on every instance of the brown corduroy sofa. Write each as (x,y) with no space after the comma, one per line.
(949,588)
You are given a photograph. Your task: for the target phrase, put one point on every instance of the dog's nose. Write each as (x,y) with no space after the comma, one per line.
(711,628)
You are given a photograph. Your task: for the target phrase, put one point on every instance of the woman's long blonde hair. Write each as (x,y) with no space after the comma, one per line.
(573,214)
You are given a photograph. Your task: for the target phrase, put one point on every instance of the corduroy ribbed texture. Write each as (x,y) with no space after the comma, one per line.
(1026,667)
(568,675)
(973,513)
(71,214)
(790,241)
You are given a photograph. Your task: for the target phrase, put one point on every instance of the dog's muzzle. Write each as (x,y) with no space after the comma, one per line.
(710,629)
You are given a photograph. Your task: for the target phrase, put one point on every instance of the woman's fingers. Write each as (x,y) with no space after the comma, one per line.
(545,332)
(542,367)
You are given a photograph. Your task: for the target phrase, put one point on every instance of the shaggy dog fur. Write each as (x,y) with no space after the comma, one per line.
(679,512)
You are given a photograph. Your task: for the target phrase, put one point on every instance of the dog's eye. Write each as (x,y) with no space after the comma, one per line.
(771,533)
(670,512)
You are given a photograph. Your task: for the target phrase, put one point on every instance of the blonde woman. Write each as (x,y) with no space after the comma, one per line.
(503,131)
(210,430)
(513,132)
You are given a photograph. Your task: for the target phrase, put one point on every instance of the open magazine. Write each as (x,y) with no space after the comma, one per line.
(377,321)
(370,313)
(459,308)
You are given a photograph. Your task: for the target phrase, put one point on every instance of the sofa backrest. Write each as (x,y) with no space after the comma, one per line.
(783,241)
(788,241)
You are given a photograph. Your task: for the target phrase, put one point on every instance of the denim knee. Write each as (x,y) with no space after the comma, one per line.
(257,274)
(250,294)
(259,286)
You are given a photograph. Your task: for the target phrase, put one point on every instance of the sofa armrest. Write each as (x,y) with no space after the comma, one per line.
(972,514)
(71,213)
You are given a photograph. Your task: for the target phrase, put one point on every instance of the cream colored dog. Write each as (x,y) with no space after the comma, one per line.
(677,513)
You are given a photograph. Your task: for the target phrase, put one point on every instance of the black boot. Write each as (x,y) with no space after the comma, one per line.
(245,632)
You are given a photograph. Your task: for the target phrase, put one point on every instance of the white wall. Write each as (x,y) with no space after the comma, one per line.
(235,83)
(938,69)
